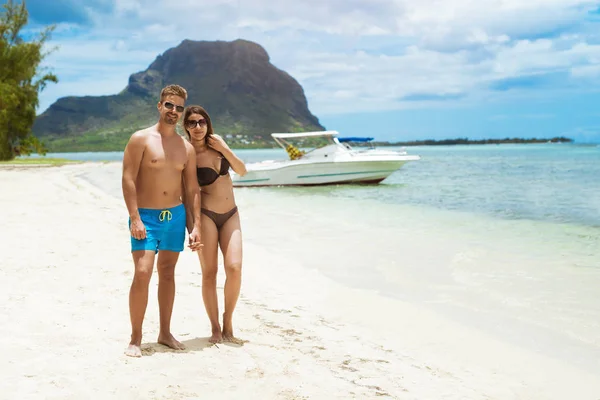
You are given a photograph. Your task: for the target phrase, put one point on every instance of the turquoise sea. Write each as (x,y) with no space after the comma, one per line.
(549,182)
(501,238)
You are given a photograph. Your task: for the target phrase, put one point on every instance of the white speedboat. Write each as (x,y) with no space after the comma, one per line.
(334,162)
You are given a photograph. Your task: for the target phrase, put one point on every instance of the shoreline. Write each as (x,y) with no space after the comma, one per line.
(68,291)
(409,144)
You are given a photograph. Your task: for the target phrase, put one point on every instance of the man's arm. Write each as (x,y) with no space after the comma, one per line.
(192,192)
(132,159)
(189,218)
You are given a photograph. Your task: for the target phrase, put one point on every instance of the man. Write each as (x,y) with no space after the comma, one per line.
(155,164)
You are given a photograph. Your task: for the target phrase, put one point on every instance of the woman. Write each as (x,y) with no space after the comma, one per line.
(220,219)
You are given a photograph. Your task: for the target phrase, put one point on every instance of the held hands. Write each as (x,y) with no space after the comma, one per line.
(216,142)
(137,229)
(194,240)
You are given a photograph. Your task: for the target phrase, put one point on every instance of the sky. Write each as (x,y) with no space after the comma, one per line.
(389,69)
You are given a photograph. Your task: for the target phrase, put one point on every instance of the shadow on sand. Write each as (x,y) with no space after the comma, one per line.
(191,345)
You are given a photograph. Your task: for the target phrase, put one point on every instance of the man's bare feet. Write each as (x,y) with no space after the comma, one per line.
(168,340)
(133,351)
(216,337)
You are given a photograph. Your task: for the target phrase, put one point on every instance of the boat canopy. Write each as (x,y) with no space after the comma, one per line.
(303,134)
(355,139)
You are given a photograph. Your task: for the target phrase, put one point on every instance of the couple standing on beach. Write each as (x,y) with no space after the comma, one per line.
(170,184)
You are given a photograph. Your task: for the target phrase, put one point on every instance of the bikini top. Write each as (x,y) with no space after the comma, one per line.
(207,175)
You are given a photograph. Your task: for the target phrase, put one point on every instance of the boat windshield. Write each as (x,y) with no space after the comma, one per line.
(309,143)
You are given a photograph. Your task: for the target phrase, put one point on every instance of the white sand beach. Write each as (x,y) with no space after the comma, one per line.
(64,281)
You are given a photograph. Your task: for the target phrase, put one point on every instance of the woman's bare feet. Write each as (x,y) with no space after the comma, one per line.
(216,337)
(168,340)
(133,351)
(229,338)
(228,331)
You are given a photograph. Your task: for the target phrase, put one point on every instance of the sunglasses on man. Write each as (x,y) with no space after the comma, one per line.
(169,106)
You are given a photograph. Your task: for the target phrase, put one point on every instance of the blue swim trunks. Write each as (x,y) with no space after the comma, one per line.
(165,229)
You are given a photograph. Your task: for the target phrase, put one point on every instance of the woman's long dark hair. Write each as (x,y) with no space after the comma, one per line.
(191,110)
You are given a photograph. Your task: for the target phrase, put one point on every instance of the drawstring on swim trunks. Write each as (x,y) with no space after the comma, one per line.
(163,214)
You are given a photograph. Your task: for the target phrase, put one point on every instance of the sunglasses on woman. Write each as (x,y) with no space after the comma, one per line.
(191,124)
(169,106)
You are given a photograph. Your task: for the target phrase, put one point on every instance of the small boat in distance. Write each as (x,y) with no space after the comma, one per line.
(333,161)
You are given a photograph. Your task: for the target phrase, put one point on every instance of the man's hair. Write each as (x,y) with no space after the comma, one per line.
(173,90)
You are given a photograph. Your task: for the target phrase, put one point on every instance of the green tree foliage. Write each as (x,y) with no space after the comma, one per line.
(21,79)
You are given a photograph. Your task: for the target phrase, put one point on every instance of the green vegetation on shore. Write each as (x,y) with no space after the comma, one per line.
(116,141)
(21,79)
(312,142)
(446,142)
(89,142)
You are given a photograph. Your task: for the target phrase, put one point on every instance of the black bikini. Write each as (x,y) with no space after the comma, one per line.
(219,219)
(206,176)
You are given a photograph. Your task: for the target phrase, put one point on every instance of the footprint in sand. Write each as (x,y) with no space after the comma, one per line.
(346,365)
(281,311)
(271,325)
(328,324)
(234,341)
(290,394)
(291,332)
(148,351)
(366,360)
(255,373)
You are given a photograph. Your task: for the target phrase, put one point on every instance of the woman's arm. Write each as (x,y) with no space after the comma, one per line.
(217,143)
(236,163)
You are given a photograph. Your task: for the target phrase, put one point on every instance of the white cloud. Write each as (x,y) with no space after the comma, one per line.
(85,67)
(347,54)
(586,71)
(380,81)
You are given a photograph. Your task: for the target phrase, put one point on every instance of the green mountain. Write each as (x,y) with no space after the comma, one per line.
(247,97)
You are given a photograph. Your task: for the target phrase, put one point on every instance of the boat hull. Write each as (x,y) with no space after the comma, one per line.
(290,173)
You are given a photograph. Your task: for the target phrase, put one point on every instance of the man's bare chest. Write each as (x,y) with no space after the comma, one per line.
(165,157)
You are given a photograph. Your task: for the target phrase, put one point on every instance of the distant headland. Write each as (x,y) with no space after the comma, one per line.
(258,142)
(447,142)
(235,81)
